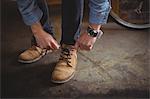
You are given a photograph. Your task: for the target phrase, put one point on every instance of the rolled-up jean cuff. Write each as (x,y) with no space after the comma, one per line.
(33,17)
(100,16)
(101,19)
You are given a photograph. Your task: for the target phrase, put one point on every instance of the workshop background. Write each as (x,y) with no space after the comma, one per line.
(116,68)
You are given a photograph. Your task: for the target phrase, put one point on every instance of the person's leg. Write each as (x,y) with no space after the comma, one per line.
(98,15)
(47,25)
(72,13)
(34,11)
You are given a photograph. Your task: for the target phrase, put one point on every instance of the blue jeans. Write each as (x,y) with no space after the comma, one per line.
(72,12)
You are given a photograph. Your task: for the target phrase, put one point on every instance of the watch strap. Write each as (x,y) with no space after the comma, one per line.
(94,33)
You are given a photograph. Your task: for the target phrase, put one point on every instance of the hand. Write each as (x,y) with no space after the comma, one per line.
(43,39)
(85,42)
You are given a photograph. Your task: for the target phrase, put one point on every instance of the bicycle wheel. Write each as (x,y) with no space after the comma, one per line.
(131,13)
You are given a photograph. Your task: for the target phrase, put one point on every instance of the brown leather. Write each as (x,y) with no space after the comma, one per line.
(31,53)
(66,66)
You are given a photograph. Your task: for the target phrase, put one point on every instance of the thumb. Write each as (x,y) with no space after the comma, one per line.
(55,45)
(76,45)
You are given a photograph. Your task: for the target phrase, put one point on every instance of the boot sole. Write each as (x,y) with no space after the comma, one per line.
(63,81)
(32,61)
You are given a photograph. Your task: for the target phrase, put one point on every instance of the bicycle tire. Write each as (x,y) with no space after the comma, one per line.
(127,24)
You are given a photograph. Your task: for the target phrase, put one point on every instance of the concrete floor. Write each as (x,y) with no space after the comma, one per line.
(117,67)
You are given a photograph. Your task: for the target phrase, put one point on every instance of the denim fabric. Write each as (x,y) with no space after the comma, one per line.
(30,11)
(99,11)
(72,12)
(34,11)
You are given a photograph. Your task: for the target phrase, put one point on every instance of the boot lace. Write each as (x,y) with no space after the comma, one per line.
(66,55)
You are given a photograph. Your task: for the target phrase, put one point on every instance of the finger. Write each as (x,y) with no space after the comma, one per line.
(58,46)
(76,45)
(91,47)
(85,47)
(55,45)
(81,46)
(50,47)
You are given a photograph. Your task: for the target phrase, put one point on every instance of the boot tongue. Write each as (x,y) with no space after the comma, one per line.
(65,46)
(70,49)
(66,50)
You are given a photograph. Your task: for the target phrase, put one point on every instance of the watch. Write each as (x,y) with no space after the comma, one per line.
(93,33)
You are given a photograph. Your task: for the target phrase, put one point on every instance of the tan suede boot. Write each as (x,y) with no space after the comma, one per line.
(65,68)
(32,54)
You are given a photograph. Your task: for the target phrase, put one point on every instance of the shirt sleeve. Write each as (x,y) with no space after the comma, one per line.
(99,11)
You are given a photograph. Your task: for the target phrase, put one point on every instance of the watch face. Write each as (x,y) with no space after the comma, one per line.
(95,33)
(92,32)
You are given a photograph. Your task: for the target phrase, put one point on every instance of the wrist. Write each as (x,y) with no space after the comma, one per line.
(36,28)
(94,32)
(95,26)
